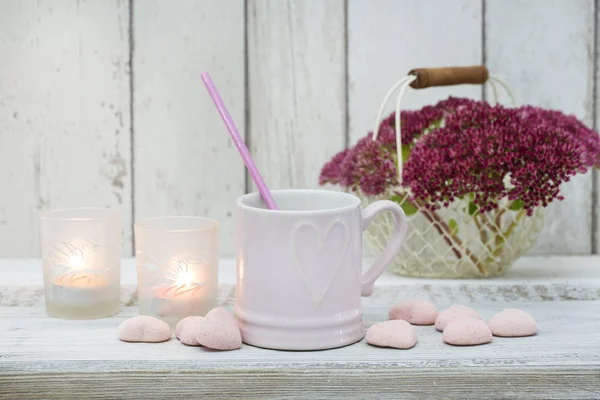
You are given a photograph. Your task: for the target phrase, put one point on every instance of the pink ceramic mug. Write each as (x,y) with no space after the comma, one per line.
(299,269)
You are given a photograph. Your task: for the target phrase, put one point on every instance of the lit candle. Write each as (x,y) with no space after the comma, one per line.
(81,287)
(187,296)
(81,260)
(177,264)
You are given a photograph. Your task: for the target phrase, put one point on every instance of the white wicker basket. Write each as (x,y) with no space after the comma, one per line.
(455,243)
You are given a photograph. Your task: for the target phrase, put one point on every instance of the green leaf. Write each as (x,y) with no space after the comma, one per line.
(473,209)
(407,206)
(516,205)
(405,153)
(453,225)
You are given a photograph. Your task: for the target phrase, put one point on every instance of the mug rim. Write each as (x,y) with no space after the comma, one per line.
(356,202)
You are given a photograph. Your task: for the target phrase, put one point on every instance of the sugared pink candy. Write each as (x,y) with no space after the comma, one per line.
(513,322)
(467,331)
(144,328)
(221,314)
(180,325)
(396,333)
(414,311)
(188,327)
(453,312)
(218,334)
(219,330)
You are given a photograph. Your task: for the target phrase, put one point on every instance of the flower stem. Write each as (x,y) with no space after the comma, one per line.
(501,238)
(482,231)
(447,239)
(453,241)
(498,226)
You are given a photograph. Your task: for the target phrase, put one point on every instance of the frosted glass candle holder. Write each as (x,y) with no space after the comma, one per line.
(81,260)
(177,262)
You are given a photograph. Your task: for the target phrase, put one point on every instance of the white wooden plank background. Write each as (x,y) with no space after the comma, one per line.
(185,163)
(388,38)
(64,113)
(296,88)
(288,70)
(544,50)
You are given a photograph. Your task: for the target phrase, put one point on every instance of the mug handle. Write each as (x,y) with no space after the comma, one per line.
(394,245)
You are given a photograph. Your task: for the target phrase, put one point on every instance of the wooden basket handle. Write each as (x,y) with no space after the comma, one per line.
(447,76)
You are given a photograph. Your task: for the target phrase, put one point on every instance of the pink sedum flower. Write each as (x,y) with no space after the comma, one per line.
(332,171)
(473,153)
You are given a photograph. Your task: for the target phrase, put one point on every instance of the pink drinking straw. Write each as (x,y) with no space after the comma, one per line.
(239,142)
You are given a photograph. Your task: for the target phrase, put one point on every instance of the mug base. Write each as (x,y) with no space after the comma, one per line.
(283,347)
(300,334)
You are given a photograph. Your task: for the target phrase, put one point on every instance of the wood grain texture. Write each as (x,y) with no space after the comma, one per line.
(545,51)
(384,383)
(296,71)
(387,38)
(185,161)
(562,361)
(64,119)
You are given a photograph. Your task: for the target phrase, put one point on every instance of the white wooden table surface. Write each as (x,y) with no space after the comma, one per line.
(42,357)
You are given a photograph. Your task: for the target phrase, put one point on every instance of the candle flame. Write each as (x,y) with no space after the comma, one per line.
(184,278)
(76,261)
